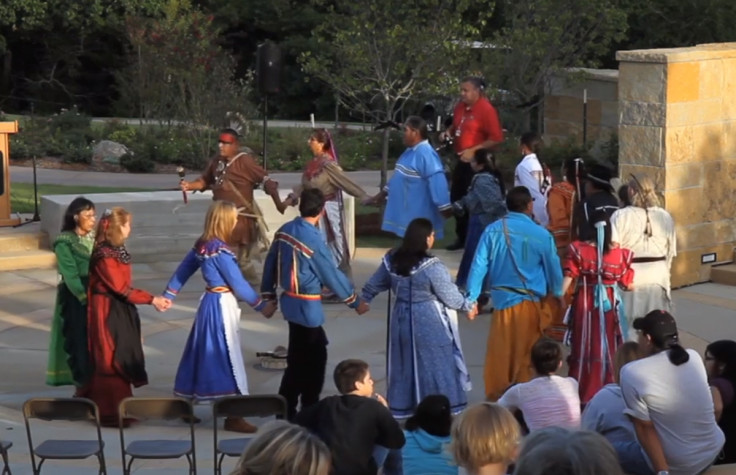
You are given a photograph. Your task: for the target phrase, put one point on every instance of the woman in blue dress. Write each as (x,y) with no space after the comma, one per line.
(212,363)
(424,352)
(485,203)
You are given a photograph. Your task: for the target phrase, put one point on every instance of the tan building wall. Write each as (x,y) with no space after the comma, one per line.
(563,106)
(677,112)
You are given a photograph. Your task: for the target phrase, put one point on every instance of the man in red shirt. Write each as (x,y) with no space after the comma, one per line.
(475,125)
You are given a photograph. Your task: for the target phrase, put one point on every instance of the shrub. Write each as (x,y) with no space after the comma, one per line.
(76,152)
(136,163)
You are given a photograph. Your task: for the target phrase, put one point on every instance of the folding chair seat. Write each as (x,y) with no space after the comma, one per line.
(157,409)
(4,446)
(64,409)
(242,406)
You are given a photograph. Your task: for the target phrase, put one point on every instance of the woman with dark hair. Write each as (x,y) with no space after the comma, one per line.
(427,435)
(324,173)
(720,365)
(424,352)
(113,324)
(595,324)
(667,398)
(485,203)
(68,357)
(530,173)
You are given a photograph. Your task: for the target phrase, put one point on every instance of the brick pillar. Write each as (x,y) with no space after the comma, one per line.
(677,111)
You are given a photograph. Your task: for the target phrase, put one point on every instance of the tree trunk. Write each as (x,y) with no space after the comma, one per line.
(384,156)
(5,71)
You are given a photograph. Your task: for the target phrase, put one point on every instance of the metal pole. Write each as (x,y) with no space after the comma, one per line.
(265,127)
(585,118)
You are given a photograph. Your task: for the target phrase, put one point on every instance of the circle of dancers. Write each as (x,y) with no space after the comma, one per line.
(574,272)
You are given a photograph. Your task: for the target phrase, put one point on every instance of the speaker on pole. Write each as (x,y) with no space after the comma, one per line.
(268,68)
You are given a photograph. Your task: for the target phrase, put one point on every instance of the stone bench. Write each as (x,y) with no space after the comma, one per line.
(161,235)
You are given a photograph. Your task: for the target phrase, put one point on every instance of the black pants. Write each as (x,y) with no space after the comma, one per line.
(462,175)
(305,370)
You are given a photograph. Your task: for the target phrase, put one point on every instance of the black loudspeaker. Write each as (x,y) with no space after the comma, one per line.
(268,70)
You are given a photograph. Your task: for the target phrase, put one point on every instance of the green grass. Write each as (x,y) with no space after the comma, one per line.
(21,194)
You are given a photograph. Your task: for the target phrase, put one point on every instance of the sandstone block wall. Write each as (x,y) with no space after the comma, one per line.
(563,106)
(677,110)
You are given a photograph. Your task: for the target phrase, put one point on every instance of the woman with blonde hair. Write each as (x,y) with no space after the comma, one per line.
(485,439)
(648,231)
(113,323)
(212,364)
(282,448)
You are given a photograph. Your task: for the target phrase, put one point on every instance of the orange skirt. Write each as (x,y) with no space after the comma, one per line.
(513,332)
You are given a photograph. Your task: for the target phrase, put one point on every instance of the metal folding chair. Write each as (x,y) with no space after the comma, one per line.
(64,409)
(157,409)
(4,446)
(242,406)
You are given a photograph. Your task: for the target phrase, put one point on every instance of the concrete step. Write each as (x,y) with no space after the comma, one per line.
(22,260)
(723,274)
(23,242)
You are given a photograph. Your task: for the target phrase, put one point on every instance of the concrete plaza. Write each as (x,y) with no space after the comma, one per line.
(704,313)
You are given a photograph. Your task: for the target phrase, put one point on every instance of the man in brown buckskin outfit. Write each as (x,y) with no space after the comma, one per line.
(232,176)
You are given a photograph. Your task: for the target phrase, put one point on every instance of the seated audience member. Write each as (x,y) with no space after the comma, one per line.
(485,439)
(281,447)
(560,451)
(427,436)
(605,413)
(548,399)
(720,364)
(667,396)
(353,423)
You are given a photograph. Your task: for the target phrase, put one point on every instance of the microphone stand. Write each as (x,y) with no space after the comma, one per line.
(36,217)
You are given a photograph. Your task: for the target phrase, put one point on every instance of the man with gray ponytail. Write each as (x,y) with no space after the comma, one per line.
(668,399)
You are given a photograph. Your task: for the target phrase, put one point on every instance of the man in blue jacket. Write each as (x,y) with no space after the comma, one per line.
(300,262)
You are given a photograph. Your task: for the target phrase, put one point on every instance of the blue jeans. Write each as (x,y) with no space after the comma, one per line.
(632,459)
(389,459)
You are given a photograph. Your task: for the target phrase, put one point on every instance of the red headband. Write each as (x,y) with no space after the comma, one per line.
(228,138)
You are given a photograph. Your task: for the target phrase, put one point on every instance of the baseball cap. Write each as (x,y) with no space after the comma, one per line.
(658,324)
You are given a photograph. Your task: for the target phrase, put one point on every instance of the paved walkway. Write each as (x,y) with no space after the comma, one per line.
(369,180)
(705,313)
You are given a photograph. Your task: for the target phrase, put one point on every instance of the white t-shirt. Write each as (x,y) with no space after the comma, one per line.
(529,173)
(545,401)
(678,402)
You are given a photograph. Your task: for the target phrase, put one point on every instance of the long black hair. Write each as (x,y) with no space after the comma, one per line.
(77,205)
(432,415)
(487,162)
(724,352)
(413,248)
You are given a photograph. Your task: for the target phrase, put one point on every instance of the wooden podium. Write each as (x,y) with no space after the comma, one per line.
(6,128)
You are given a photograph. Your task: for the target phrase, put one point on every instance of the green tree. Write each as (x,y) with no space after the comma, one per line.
(542,37)
(676,23)
(46,45)
(178,75)
(377,55)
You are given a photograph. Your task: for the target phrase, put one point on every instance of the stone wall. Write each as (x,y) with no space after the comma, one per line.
(563,106)
(163,229)
(677,111)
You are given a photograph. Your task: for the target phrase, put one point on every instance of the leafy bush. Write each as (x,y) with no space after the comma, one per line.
(136,163)
(76,152)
